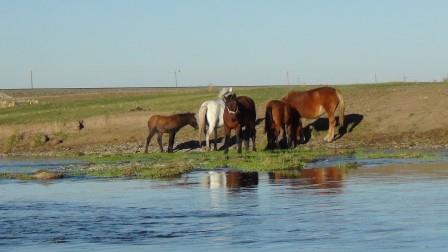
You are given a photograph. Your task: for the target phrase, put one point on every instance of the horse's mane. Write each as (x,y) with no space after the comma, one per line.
(225,92)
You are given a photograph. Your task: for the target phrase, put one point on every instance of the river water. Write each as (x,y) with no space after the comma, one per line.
(399,207)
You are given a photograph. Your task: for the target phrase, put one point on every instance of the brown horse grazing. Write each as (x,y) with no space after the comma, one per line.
(281,121)
(168,124)
(313,103)
(239,112)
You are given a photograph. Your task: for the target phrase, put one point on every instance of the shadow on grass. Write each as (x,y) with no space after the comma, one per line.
(194,145)
(351,121)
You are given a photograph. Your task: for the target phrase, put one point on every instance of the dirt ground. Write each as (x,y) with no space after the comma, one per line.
(377,116)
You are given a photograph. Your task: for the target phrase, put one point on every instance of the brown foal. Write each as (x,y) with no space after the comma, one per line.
(168,124)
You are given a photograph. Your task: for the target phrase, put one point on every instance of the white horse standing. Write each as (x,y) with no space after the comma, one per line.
(211,114)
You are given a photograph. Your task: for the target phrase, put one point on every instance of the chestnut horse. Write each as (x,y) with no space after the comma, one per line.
(281,121)
(313,103)
(239,112)
(168,124)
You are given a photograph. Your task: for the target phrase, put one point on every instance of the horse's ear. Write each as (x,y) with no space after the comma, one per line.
(223,93)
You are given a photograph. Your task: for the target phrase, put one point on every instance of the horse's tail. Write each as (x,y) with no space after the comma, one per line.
(201,121)
(268,119)
(341,108)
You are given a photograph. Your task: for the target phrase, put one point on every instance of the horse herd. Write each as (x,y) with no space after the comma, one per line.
(282,118)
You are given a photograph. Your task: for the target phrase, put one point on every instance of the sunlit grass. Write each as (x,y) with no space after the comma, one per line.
(159,165)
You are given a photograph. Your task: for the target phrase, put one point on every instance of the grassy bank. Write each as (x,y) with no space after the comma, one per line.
(160,165)
(383,116)
(169,165)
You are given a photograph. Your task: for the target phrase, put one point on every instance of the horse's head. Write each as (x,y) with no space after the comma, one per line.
(231,104)
(225,92)
(192,120)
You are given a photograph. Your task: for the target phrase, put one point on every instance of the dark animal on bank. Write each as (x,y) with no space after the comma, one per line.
(282,124)
(239,112)
(81,125)
(313,103)
(159,124)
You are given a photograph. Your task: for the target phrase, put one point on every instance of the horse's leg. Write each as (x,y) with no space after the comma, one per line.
(293,135)
(210,129)
(268,139)
(171,141)
(216,139)
(285,139)
(148,139)
(159,141)
(275,138)
(253,133)
(299,135)
(226,140)
(287,130)
(282,136)
(331,125)
(245,136)
(238,132)
(207,139)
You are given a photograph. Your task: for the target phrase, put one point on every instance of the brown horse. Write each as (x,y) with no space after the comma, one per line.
(281,121)
(313,103)
(168,124)
(239,112)
(328,177)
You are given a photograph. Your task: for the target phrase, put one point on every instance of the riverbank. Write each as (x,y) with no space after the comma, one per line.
(402,117)
(381,116)
(171,165)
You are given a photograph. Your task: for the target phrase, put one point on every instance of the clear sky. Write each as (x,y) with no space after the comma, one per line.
(229,42)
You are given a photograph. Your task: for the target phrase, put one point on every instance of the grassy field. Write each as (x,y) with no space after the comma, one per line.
(66,107)
(382,116)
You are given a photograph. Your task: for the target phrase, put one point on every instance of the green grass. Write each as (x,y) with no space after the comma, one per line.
(168,165)
(58,106)
(162,165)
(18,176)
(72,109)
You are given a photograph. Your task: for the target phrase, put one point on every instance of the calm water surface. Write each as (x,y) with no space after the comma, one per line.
(398,207)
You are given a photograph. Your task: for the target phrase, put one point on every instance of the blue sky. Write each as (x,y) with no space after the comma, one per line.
(141,43)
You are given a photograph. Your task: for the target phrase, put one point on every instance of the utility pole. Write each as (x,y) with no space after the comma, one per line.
(175,76)
(404,77)
(376,80)
(31,79)
(287,77)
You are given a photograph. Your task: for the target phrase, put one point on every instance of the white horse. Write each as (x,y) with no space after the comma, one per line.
(211,114)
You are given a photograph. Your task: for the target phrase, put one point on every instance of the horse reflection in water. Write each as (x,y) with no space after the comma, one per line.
(230,179)
(235,182)
(322,178)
